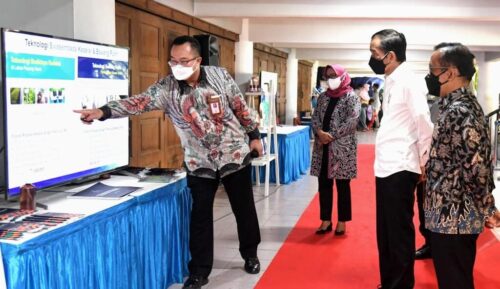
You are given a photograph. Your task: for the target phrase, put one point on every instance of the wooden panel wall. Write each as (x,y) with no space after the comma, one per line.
(266,58)
(304,86)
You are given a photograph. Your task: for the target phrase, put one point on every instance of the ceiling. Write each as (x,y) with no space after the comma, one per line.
(339,31)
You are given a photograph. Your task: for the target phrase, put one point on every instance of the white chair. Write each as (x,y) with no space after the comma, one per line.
(269,127)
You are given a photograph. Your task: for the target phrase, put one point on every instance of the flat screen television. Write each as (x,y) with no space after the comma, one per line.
(43,79)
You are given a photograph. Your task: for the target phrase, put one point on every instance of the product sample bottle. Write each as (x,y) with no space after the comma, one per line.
(27,198)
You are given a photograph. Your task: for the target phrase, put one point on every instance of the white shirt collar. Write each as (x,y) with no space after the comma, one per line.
(398,73)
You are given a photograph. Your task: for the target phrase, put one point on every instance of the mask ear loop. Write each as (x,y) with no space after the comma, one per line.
(385,56)
(342,78)
(439,75)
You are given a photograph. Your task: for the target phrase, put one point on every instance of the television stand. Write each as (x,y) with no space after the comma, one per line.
(141,175)
(41,206)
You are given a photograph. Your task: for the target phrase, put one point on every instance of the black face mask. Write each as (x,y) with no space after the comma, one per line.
(433,84)
(377,65)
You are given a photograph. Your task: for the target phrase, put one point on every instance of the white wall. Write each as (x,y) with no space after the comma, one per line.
(94,20)
(491,84)
(54,17)
(481,90)
(331,31)
(365,9)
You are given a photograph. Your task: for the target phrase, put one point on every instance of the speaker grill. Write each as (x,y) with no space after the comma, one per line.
(209,49)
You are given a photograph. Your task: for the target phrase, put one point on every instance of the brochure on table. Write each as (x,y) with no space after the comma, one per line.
(57,200)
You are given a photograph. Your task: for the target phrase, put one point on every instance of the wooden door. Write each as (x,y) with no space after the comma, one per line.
(147,141)
(226,55)
(125,23)
(281,98)
(151,53)
(147,130)
(173,153)
(304,88)
(135,28)
(265,61)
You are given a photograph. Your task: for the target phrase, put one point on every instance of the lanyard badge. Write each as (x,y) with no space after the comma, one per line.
(214,103)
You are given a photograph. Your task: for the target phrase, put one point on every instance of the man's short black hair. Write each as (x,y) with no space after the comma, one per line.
(195,45)
(376,85)
(391,40)
(446,44)
(460,57)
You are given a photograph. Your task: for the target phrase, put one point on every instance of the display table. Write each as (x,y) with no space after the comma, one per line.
(294,153)
(139,241)
(307,120)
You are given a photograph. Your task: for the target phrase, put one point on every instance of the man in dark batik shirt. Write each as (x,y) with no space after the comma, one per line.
(458,198)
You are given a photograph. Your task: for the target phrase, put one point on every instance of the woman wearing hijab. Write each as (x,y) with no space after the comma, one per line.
(334,155)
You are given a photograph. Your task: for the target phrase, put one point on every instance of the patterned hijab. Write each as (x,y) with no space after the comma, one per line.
(344,84)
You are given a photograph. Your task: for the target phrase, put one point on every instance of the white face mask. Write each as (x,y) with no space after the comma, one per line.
(182,72)
(334,83)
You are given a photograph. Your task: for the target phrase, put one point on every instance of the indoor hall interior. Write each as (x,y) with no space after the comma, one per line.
(278,214)
(293,39)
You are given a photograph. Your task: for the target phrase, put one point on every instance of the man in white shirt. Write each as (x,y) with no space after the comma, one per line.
(401,151)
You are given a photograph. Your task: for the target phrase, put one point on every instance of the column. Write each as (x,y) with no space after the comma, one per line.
(244,57)
(292,75)
(314,73)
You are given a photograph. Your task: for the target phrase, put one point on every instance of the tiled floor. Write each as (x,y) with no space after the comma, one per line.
(277,214)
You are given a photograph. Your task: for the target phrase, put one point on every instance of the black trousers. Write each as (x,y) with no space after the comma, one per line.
(325,188)
(238,186)
(395,230)
(454,257)
(421,214)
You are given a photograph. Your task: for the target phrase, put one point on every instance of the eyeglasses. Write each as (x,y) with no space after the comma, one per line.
(385,55)
(442,68)
(181,62)
(375,56)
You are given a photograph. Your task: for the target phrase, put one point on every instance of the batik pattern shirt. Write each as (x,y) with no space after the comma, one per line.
(342,151)
(459,171)
(211,143)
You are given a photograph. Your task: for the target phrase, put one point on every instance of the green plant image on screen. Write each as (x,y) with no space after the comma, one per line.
(29,96)
(15,95)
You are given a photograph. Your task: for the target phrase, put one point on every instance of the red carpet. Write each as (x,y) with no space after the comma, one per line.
(307,260)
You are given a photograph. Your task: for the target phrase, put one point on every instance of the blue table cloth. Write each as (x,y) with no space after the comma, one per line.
(141,243)
(294,154)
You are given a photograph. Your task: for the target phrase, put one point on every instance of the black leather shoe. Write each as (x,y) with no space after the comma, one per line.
(325,230)
(195,282)
(338,232)
(252,265)
(423,253)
